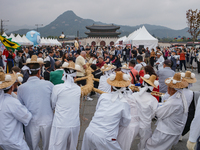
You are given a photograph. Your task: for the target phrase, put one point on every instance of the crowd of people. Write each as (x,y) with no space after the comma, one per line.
(40,100)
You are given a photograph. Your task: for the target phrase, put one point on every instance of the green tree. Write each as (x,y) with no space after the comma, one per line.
(193,22)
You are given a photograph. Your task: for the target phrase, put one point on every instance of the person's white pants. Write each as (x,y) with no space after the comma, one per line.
(144,134)
(64,138)
(20,146)
(160,140)
(127,134)
(94,142)
(33,133)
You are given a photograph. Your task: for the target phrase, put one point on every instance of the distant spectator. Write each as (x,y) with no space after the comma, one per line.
(97,74)
(65,58)
(163,74)
(56,76)
(106,58)
(182,59)
(160,60)
(140,63)
(147,56)
(47,70)
(100,62)
(52,61)
(152,57)
(93,59)
(117,62)
(1,60)
(133,71)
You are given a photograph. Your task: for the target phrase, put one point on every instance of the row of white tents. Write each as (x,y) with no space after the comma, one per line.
(139,37)
(25,42)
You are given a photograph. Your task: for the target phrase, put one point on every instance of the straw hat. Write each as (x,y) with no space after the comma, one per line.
(176,82)
(34,60)
(125,66)
(119,79)
(150,80)
(6,80)
(107,67)
(71,65)
(189,77)
(19,77)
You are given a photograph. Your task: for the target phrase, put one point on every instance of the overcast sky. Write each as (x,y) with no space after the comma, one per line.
(169,13)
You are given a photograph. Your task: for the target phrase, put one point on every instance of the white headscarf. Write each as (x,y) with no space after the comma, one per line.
(69,80)
(27,68)
(145,88)
(108,73)
(118,94)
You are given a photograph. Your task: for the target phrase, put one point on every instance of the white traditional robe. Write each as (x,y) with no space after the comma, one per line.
(161,62)
(103,84)
(170,124)
(127,134)
(35,94)
(103,130)
(194,128)
(66,122)
(12,115)
(147,105)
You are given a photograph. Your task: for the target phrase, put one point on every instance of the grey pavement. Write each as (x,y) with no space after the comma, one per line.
(88,108)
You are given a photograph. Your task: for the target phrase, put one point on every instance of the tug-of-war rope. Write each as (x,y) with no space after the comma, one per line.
(89,87)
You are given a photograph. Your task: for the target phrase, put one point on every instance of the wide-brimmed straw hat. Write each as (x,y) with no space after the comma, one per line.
(176,82)
(189,77)
(71,65)
(119,79)
(6,80)
(125,66)
(107,67)
(34,60)
(150,80)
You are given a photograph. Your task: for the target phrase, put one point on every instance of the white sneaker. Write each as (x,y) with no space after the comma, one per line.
(89,98)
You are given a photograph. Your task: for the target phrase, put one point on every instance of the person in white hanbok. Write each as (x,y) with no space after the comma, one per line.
(12,115)
(127,134)
(103,85)
(194,137)
(146,105)
(66,102)
(35,94)
(160,60)
(112,111)
(190,78)
(170,116)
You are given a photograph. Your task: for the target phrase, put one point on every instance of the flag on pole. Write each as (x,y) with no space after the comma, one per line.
(9,44)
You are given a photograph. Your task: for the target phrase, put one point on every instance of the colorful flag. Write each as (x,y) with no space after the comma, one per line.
(9,44)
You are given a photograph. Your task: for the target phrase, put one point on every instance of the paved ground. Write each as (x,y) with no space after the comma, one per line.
(88,109)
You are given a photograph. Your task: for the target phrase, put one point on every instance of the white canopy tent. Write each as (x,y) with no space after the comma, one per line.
(4,34)
(27,42)
(120,39)
(13,37)
(19,40)
(142,37)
